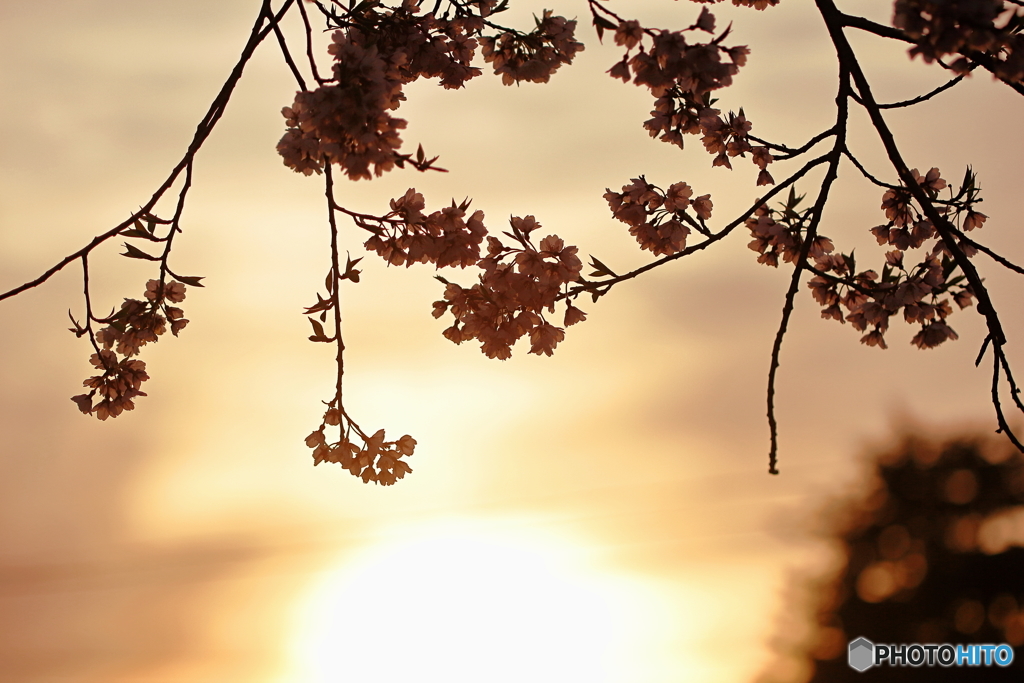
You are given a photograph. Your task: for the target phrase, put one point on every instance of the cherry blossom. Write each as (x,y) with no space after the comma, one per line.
(533,56)
(940,28)
(659,220)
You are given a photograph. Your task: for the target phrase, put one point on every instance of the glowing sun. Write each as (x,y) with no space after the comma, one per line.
(455,603)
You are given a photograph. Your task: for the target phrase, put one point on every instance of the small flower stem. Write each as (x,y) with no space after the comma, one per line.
(175,228)
(336,275)
(88,302)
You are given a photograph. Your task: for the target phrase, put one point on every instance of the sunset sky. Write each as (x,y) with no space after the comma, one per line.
(601,515)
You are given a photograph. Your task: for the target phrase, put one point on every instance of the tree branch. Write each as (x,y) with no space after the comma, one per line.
(985,60)
(789,153)
(607,284)
(991,254)
(203,131)
(835,21)
(309,43)
(864,172)
(336,274)
(1004,427)
(834,157)
(288,57)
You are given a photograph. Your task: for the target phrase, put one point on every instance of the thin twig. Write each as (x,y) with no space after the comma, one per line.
(927,96)
(288,56)
(842,106)
(88,303)
(336,296)
(864,172)
(336,274)
(889,186)
(365,216)
(309,43)
(789,152)
(981,352)
(176,220)
(1004,427)
(1014,391)
(1006,263)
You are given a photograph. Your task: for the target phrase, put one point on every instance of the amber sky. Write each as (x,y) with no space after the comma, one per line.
(600,515)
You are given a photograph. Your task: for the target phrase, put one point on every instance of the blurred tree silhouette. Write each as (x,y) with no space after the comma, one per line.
(933,552)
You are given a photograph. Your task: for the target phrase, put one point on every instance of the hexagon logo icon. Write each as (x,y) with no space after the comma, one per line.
(861,654)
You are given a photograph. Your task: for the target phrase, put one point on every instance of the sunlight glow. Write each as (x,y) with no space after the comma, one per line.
(458,603)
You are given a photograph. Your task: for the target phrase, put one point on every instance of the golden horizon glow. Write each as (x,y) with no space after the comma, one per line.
(461,602)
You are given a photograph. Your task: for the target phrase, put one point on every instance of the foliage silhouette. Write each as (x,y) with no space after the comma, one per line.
(933,552)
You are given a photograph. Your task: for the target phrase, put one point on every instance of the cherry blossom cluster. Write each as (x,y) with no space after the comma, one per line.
(533,56)
(659,219)
(908,228)
(870,299)
(681,75)
(756,4)
(407,235)
(781,234)
(945,27)
(515,288)
(117,386)
(374,460)
(347,120)
(137,323)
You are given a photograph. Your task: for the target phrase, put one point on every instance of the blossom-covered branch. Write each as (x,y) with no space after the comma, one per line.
(527,281)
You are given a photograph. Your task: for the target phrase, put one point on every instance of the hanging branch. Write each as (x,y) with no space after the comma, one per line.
(832,172)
